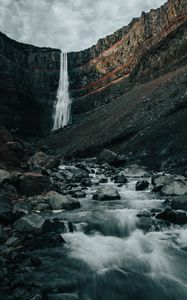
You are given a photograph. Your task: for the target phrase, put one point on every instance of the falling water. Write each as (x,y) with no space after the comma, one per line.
(63,105)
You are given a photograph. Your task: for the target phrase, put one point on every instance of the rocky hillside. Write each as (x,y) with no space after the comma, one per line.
(146,124)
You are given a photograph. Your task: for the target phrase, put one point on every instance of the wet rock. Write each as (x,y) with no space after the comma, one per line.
(170,185)
(177,187)
(179,202)
(62,297)
(13,241)
(45,240)
(40,159)
(173,216)
(57,201)
(141,185)
(103,180)
(32,223)
(86,182)
(31,184)
(15,146)
(3,235)
(21,208)
(111,158)
(6,215)
(134,171)
(120,178)
(106,193)
(79,194)
(5,176)
(54,225)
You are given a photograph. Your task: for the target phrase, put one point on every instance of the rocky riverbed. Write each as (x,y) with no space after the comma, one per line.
(99,228)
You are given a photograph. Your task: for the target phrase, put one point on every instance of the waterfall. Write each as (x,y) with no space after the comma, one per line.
(62,107)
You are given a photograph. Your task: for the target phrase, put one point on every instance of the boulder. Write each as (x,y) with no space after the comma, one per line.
(57,201)
(31,184)
(6,215)
(120,178)
(170,185)
(54,225)
(5,176)
(141,185)
(3,235)
(179,202)
(32,223)
(111,158)
(172,216)
(45,240)
(40,159)
(106,193)
(86,182)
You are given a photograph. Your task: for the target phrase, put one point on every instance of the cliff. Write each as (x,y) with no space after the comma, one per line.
(148,47)
(28,82)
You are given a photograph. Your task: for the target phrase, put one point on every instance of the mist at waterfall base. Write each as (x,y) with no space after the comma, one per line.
(62,108)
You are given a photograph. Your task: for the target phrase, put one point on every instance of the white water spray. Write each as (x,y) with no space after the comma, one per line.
(63,105)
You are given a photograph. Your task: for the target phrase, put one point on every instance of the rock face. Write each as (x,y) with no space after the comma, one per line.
(28,82)
(149,46)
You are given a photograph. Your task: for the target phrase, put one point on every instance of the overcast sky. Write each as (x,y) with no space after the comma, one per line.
(68,24)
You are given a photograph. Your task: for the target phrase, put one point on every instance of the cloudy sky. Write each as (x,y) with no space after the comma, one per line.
(68,24)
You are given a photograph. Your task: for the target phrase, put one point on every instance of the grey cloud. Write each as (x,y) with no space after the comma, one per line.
(68,24)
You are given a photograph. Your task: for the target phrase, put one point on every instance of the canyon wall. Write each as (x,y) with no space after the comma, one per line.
(148,47)
(28,82)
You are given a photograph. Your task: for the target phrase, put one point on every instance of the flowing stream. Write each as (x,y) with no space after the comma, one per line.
(116,255)
(62,109)
(118,249)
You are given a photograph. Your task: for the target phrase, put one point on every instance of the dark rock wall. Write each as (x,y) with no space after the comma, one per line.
(28,82)
(133,54)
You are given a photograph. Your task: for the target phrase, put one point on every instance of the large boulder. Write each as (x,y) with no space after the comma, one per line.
(179,202)
(112,158)
(170,185)
(106,193)
(142,185)
(40,159)
(57,201)
(120,178)
(6,215)
(5,176)
(31,184)
(32,223)
(45,240)
(172,216)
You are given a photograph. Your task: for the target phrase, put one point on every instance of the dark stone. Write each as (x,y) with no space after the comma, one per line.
(40,159)
(31,184)
(86,182)
(45,240)
(106,193)
(31,223)
(109,157)
(6,215)
(120,179)
(142,185)
(54,225)
(179,202)
(173,216)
